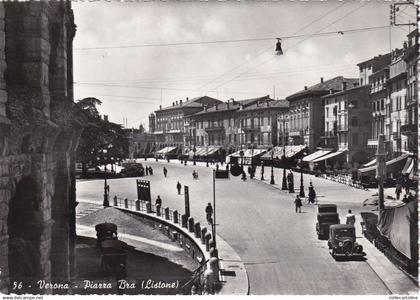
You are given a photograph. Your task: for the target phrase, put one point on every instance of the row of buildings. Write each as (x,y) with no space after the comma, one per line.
(338,118)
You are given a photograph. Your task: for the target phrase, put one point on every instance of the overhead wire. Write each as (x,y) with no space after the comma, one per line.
(317,33)
(270,47)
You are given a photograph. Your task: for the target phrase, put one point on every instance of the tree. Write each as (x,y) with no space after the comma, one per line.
(102,142)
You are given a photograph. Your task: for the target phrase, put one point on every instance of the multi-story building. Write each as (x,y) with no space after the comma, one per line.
(237,123)
(410,127)
(169,121)
(371,66)
(347,126)
(140,143)
(306,111)
(396,103)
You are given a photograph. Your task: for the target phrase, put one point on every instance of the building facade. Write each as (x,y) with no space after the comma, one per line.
(39,132)
(306,111)
(235,124)
(347,124)
(170,128)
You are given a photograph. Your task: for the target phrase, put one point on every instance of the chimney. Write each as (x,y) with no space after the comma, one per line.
(267,103)
(173,103)
(228,104)
(331,91)
(187,99)
(306,88)
(216,107)
(180,102)
(205,107)
(322,79)
(176,102)
(344,85)
(160,107)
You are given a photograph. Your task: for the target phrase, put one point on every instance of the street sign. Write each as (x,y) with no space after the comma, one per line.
(143,190)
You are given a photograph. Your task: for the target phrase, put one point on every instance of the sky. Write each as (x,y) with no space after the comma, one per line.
(119,56)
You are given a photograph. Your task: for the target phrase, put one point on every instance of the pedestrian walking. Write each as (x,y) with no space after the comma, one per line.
(178,187)
(298,204)
(398,190)
(147,170)
(150,171)
(290,182)
(350,218)
(158,201)
(209,213)
(165,171)
(311,194)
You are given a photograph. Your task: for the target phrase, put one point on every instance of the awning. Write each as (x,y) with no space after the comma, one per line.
(328,156)
(166,150)
(315,155)
(249,152)
(408,167)
(391,165)
(291,150)
(371,163)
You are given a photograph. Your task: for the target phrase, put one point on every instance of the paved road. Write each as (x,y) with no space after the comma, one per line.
(279,247)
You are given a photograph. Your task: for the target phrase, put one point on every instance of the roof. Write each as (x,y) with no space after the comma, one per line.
(268,104)
(377,62)
(348,91)
(194,102)
(233,105)
(322,87)
(341,226)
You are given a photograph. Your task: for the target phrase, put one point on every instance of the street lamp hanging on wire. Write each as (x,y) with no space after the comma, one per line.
(279,50)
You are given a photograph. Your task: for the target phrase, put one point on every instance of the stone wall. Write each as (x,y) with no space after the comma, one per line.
(39,131)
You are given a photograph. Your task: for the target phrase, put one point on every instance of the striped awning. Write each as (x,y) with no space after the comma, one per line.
(315,155)
(328,156)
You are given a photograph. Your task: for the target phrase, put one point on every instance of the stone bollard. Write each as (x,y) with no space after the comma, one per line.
(166,213)
(158,212)
(214,267)
(125,202)
(115,201)
(208,238)
(197,230)
(176,217)
(209,281)
(148,207)
(213,252)
(184,220)
(137,205)
(203,235)
(191,224)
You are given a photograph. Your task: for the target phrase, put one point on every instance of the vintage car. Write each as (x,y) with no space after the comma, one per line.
(132,169)
(325,220)
(342,241)
(327,215)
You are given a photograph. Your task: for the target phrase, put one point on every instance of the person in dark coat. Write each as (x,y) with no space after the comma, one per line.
(398,190)
(290,182)
(312,194)
(158,201)
(178,187)
(209,213)
(298,204)
(150,171)
(147,170)
(165,171)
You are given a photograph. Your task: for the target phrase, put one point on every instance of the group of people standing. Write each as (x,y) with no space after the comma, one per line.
(148,170)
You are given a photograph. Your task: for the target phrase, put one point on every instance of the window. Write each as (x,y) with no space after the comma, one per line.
(327,110)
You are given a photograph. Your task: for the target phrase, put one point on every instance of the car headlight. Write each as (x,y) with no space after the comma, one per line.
(340,244)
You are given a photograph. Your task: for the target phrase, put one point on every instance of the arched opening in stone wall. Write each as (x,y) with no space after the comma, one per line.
(23,257)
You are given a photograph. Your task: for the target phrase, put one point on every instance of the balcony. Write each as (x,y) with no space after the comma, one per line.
(214,129)
(296,133)
(372,143)
(330,135)
(250,129)
(342,128)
